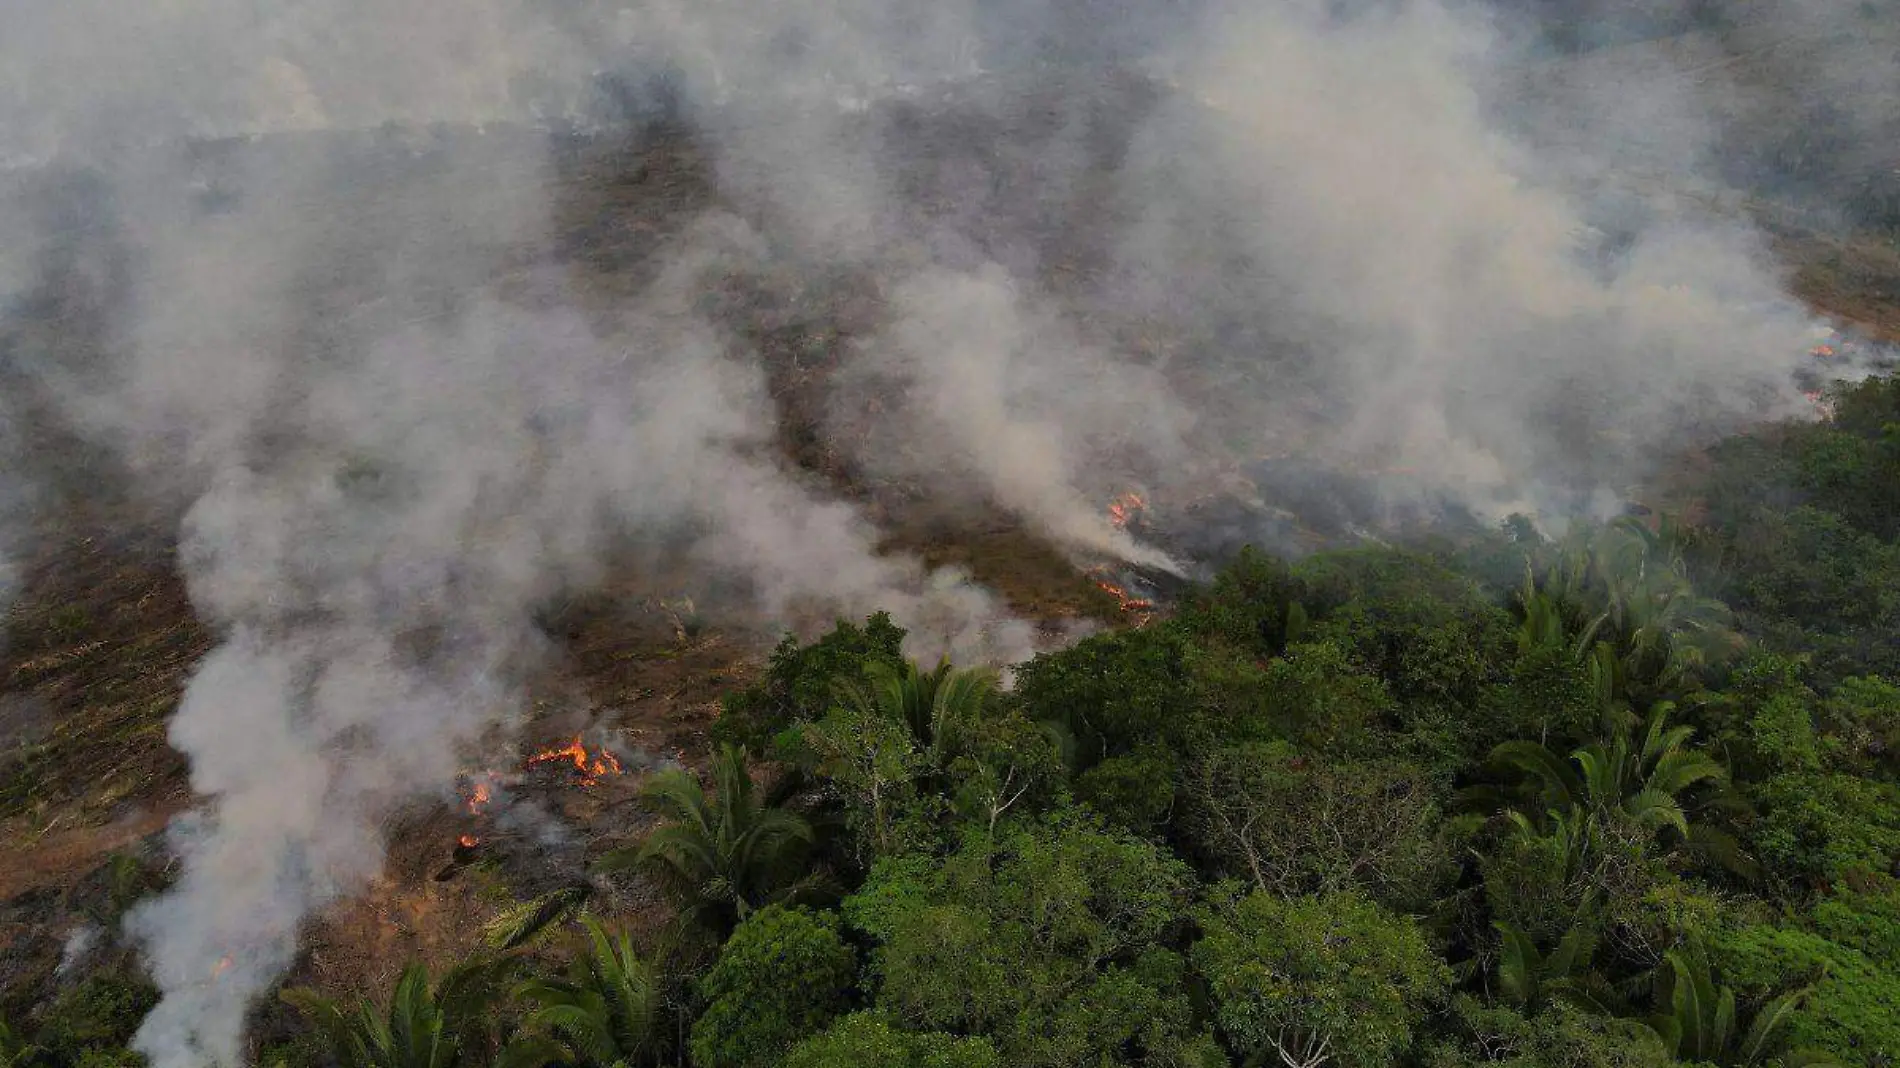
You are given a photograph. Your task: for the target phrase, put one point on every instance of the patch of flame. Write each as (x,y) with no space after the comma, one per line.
(590,765)
(223,965)
(1123,509)
(468,841)
(1137,606)
(478,797)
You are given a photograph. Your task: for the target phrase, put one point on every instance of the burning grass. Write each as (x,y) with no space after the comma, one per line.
(1034,578)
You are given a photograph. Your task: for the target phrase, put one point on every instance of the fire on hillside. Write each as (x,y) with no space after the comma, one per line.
(575,764)
(589,766)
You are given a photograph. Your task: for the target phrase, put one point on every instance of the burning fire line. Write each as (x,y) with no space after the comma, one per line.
(478,791)
(592,767)
(478,798)
(1128,602)
(1123,509)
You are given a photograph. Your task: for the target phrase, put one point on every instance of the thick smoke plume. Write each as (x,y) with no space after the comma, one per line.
(1438,279)
(1107,246)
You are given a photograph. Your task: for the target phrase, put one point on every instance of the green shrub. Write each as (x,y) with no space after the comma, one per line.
(782,976)
(98,1015)
(866,1040)
(801,681)
(1334,975)
(1854,1011)
(1049,938)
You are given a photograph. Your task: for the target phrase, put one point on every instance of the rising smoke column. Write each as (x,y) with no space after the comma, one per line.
(996,392)
(377,576)
(376,563)
(1377,254)
(1344,188)
(394,434)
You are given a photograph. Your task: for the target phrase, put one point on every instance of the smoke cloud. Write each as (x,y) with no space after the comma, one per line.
(1440,280)
(384,506)
(1104,246)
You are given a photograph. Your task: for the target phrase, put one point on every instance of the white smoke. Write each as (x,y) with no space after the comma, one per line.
(986,389)
(396,425)
(398,439)
(76,949)
(377,556)
(1433,273)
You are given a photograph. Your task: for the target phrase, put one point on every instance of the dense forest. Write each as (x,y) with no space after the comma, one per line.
(1627,798)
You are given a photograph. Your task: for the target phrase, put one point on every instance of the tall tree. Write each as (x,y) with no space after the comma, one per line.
(1641,779)
(605,1012)
(781,977)
(442,1025)
(722,855)
(1317,980)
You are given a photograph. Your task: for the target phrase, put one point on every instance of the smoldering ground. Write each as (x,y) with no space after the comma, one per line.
(316,306)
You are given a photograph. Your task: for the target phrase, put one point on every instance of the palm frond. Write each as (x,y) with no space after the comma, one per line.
(1677,771)
(532,1050)
(1725,850)
(1656,810)
(1764,1031)
(521,923)
(1518,965)
(1573,951)
(1560,782)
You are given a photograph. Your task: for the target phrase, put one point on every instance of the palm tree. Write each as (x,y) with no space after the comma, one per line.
(932,704)
(725,854)
(606,1012)
(441,1027)
(1528,978)
(1699,1024)
(1629,586)
(888,746)
(1638,781)
(15,1050)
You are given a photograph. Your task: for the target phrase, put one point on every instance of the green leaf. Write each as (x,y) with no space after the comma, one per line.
(1518,965)
(1560,782)
(1764,1031)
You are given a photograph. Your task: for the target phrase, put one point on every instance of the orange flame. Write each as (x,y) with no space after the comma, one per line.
(223,965)
(1123,509)
(591,766)
(478,798)
(1129,603)
(468,841)
(1822,351)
